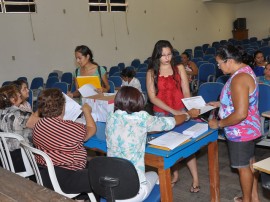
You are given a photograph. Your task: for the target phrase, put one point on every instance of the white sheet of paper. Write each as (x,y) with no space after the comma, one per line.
(72,109)
(197,102)
(87,90)
(170,140)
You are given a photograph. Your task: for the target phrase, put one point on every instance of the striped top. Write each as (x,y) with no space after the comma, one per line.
(62,140)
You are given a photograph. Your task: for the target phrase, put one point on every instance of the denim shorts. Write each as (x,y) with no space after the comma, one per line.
(241,153)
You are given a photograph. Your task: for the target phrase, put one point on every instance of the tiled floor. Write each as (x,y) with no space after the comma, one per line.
(229,180)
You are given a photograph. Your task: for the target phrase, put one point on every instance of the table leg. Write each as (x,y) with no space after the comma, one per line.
(214,171)
(165,185)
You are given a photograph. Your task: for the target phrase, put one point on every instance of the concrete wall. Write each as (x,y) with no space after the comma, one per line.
(185,23)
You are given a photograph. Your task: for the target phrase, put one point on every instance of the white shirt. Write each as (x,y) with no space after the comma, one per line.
(134,83)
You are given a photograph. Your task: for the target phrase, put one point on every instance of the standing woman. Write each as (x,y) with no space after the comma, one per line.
(166,85)
(240,118)
(84,57)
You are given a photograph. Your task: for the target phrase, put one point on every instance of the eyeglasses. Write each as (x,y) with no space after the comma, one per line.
(218,64)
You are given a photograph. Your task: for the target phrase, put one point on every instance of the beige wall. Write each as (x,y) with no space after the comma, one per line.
(186,23)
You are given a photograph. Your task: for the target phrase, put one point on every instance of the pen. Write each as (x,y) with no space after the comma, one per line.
(204,120)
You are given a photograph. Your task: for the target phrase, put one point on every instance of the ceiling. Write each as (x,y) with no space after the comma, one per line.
(227,1)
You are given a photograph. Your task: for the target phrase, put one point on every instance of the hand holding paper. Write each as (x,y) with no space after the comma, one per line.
(197,102)
(87,90)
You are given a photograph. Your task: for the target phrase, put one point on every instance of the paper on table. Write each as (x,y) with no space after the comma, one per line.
(197,102)
(72,109)
(196,130)
(169,140)
(87,90)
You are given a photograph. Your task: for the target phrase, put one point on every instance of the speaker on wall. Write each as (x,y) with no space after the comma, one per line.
(240,23)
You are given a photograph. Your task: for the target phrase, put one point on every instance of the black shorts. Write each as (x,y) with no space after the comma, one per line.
(241,153)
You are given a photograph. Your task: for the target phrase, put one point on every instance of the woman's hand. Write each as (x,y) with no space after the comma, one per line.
(214,104)
(193,113)
(70,94)
(99,90)
(86,108)
(213,123)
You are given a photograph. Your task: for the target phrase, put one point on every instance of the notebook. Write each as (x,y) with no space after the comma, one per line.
(169,141)
(196,130)
(93,80)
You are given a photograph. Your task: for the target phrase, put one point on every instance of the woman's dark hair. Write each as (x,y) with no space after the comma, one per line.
(230,52)
(19,83)
(6,93)
(155,61)
(84,50)
(186,53)
(128,72)
(129,99)
(51,103)
(256,53)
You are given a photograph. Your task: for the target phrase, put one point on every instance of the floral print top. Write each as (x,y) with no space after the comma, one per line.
(249,128)
(126,135)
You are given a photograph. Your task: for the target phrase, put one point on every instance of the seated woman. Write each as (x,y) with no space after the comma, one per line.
(15,120)
(259,63)
(24,90)
(63,141)
(190,67)
(128,77)
(266,78)
(126,131)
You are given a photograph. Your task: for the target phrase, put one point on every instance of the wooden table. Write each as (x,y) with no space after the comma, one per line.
(263,165)
(163,160)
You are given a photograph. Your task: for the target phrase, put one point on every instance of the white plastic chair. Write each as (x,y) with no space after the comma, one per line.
(5,156)
(30,151)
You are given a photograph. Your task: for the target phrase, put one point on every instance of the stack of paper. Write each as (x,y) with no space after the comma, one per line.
(169,141)
(196,130)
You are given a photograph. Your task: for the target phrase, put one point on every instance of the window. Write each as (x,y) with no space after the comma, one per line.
(18,6)
(107,5)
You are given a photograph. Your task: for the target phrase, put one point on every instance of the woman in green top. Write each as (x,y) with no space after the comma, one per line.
(84,57)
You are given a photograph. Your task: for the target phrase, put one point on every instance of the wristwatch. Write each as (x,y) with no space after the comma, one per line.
(188,117)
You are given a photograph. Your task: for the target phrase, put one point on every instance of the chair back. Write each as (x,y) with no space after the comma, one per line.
(5,83)
(53,74)
(140,74)
(135,63)
(143,84)
(22,78)
(223,79)
(113,178)
(113,70)
(198,54)
(210,91)
(112,87)
(30,98)
(264,98)
(51,81)
(37,83)
(121,66)
(67,77)
(31,152)
(6,159)
(210,50)
(63,86)
(206,72)
(116,80)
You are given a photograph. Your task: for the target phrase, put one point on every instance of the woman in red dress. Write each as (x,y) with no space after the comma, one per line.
(166,85)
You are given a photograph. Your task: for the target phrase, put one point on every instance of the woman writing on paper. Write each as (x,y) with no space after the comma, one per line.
(84,57)
(126,131)
(166,85)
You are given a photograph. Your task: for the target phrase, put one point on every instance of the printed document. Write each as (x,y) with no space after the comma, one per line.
(169,140)
(197,102)
(72,109)
(87,90)
(196,130)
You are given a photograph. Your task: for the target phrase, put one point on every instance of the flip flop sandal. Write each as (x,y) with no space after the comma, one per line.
(195,189)
(238,199)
